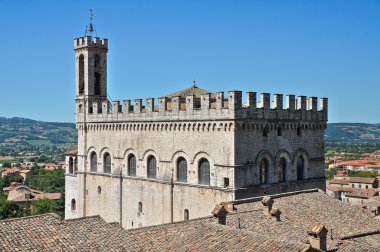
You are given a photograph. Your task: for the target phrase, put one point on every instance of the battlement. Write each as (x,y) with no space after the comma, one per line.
(210,107)
(89,41)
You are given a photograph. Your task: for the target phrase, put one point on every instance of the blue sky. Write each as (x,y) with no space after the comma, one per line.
(327,48)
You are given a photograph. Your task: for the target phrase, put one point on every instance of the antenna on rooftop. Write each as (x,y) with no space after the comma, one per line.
(90,27)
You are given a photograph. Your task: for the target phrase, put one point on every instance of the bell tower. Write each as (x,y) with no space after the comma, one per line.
(90,70)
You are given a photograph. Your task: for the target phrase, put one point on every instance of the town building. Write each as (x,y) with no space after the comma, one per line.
(160,161)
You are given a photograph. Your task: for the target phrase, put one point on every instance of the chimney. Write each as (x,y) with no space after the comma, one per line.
(267,203)
(318,236)
(275,214)
(221,212)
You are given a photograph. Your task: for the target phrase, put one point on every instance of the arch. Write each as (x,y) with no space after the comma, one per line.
(186,214)
(81,74)
(93,162)
(152,167)
(266,130)
(265,169)
(204,171)
(140,207)
(99,190)
(131,165)
(282,166)
(106,163)
(75,165)
(181,169)
(73,205)
(71,165)
(301,163)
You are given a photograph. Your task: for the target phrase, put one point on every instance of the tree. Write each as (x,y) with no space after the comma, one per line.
(7,165)
(41,206)
(9,209)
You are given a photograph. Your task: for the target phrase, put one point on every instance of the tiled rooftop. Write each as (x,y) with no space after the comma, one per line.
(353,230)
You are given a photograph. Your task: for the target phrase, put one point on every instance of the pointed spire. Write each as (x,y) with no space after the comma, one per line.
(90,27)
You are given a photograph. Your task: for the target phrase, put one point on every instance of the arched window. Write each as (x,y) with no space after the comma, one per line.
(81,74)
(99,190)
(182,170)
(264,167)
(140,207)
(266,131)
(75,165)
(132,165)
(299,131)
(300,168)
(186,214)
(73,205)
(97,83)
(107,163)
(93,162)
(279,131)
(204,172)
(71,164)
(152,167)
(281,170)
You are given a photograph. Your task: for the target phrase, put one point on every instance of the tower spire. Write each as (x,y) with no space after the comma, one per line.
(90,27)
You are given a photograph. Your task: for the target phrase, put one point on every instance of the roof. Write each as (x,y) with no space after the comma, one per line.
(362,180)
(71,152)
(339,181)
(48,233)
(302,210)
(52,196)
(194,90)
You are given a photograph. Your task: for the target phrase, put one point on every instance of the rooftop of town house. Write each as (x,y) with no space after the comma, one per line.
(193,90)
(258,232)
(300,211)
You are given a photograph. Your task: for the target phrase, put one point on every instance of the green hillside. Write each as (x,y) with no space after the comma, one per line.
(352,132)
(20,135)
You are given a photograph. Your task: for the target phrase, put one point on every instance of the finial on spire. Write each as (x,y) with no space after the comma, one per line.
(90,27)
(194,83)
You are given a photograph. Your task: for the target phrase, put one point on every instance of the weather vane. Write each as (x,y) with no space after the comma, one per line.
(90,28)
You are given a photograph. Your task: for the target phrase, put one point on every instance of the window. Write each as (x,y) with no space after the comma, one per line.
(107,163)
(152,167)
(132,165)
(360,186)
(75,165)
(93,162)
(279,131)
(264,167)
(281,170)
(266,131)
(182,170)
(366,187)
(204,172)
(97,83)
(71,164)
(226,182)
(300,168)
(186,214)
(81,74)
(99,190)
(140,207)
(299,131)
(73,205)
(353,186)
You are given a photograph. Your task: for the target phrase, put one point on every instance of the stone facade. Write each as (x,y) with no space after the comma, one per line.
(145,164)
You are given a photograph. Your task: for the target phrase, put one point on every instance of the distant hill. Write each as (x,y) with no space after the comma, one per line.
(20,134)
(352,132)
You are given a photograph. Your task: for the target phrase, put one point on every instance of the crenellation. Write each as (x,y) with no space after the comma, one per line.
(137,108)
(278,102)
(234,100)
(127,106)
(105,107)
(149,108)
(219,100)
(88,41)
(206,101)
(312,105)
(265,101)
(251,100)
(301,102)
(291,102)
(176,105)
(162,105)
(116,107)
(190,104)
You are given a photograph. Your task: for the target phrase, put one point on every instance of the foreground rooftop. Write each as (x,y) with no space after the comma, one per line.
(247,228)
